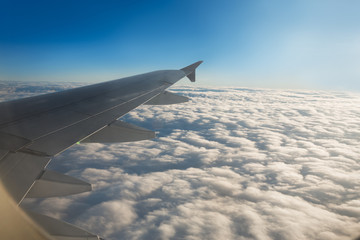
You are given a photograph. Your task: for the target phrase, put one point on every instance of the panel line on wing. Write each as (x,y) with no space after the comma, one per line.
(66,137)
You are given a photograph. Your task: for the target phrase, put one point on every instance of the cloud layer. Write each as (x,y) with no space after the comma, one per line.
(232,163)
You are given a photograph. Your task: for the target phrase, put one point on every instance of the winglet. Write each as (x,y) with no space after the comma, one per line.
(190,70)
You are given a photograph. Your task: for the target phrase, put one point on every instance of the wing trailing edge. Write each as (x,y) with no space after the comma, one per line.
(119,131)
(166,98)
(53,184)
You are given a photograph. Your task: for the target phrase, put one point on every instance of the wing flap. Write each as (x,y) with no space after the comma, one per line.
(120,131)
(53,184)
(166,98)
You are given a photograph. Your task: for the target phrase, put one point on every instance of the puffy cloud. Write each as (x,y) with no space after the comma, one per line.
(108,217)
(232,163)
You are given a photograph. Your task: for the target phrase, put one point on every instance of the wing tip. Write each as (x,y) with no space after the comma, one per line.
(190,70)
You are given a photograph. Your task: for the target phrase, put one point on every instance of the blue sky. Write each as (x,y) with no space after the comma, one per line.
(275,44)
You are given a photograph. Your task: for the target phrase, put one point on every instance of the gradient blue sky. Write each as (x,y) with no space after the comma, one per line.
(278,44)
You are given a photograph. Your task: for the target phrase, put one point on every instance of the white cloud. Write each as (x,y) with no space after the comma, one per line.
(108,217)
(229,164)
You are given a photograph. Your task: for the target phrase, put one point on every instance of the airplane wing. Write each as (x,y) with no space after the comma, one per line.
(35,129)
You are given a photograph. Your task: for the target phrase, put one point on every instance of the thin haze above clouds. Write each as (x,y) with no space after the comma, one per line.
(233,163)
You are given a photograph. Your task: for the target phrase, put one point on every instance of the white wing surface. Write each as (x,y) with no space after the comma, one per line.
(33,130)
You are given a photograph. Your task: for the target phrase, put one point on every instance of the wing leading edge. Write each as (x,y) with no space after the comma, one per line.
(33,130)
